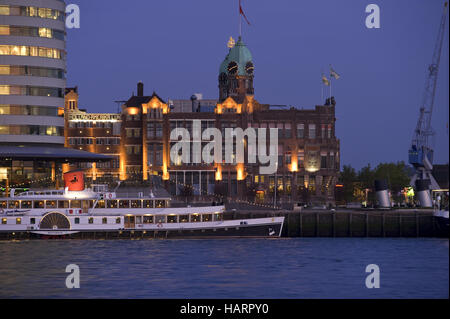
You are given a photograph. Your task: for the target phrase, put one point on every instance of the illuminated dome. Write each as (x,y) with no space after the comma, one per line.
(238,61)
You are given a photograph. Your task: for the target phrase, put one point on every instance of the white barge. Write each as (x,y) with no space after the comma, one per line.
(98,214)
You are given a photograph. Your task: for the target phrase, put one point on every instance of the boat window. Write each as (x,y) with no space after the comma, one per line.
(138,219)
(104,220)
(111,203)
(32,221)
(26,204)
(124,204)
(207,217)
(172,219)
(136,204)
(50,203)
(91,220)
(100,204)
(160,203)
(63,204)
(118,220)
(77,220)
(14,204)
(3,204)
(91,203)
(4,221)
(195,218)
(18,221)
(75,204)
(148,219)
(160,219)
(148,204)
(38,204)
(184,218)
(218,217)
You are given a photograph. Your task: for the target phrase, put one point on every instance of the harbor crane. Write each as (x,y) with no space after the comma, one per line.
(421,151)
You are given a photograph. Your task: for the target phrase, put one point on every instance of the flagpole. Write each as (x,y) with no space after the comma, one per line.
(321,97)
(240,20)
(321,100)
(330,88)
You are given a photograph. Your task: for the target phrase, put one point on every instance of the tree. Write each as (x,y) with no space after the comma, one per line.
(396,175)
(348,178)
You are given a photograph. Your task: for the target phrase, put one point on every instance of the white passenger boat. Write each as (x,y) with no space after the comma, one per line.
(97,213)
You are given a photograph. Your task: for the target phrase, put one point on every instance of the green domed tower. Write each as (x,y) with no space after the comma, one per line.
(236,72)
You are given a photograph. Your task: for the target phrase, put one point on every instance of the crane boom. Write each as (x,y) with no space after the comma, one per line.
(421,151)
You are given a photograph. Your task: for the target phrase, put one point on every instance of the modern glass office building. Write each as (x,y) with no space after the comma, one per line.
(32,72)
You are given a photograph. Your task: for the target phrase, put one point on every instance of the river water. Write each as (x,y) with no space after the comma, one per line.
(227,268)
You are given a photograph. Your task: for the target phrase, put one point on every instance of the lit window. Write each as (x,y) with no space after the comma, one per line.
(18,221)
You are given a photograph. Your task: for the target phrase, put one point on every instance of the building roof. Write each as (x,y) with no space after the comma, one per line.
(137,101)
(52,153)
(239,54)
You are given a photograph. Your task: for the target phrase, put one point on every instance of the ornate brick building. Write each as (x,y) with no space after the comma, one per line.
(308,150)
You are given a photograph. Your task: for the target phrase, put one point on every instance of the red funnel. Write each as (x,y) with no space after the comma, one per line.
(74,181)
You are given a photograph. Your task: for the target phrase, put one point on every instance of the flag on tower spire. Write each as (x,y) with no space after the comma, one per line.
(241,12)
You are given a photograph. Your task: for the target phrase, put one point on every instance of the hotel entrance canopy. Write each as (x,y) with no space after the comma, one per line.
(48,153)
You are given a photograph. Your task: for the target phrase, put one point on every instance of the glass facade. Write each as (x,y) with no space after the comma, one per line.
(8,109)
(31,130)
(32,86)
(32,32)
(28,11)
(32,71)
(24,50)
(30,91)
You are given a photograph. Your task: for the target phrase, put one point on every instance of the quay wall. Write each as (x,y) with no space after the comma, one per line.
(350,223)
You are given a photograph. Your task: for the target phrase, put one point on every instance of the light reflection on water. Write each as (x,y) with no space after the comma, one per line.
(233,268)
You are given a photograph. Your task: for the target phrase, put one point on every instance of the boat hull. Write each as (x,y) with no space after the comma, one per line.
(262,230)
(442,222)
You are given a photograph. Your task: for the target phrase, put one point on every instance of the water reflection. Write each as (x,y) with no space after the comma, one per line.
(287,268)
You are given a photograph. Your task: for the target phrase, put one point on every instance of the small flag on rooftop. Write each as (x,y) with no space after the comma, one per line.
(325,80)
(334,74)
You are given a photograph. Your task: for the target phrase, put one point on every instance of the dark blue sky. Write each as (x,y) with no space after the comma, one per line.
(176,46)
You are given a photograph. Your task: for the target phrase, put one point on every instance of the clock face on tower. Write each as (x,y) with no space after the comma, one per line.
(249,68)
(232,68)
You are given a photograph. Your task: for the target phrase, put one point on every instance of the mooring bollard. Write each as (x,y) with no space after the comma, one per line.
(301,224)
(417,224)
(367,224)
(350,221)
(317,224)
(334,224)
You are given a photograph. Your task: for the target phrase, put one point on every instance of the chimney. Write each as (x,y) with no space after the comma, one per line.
(140,89)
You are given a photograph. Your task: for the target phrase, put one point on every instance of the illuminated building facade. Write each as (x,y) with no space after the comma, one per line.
(32,81)
(95,133)
(32,72)
(308,150)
